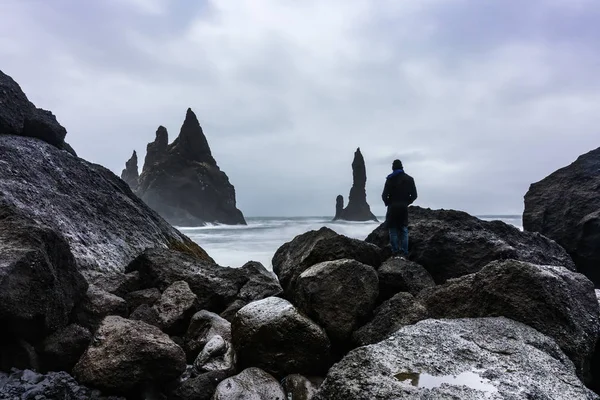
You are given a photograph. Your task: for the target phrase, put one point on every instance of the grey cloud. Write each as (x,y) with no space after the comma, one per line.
(479,99)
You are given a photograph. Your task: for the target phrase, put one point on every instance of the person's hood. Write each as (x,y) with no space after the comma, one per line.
(396,172)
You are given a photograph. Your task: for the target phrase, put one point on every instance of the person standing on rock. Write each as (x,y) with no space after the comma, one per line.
(398,193)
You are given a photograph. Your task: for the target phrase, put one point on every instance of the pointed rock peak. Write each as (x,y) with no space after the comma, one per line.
(191,143)
(162,137)
(134,156)
(131,174)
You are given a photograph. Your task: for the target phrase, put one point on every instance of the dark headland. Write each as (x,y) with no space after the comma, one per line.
(101,298)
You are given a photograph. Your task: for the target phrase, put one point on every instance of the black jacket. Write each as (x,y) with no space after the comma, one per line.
(399,192)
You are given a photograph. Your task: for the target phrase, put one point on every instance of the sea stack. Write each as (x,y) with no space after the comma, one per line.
(565,206)
(130,174)
(183,182)
(358,209)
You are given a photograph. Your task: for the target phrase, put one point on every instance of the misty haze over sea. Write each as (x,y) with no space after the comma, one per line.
(234,245)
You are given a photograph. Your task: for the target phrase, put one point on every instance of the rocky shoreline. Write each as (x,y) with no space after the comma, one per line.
(100,298)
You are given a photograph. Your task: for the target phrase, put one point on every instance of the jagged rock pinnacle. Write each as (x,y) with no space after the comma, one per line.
(130,174)
(358,209)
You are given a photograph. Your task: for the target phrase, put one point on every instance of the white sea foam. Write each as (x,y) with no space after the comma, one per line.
(259,240)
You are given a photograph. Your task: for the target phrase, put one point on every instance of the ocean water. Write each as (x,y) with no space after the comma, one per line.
(233,246)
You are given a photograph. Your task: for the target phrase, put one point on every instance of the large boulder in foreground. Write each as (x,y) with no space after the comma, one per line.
(565,206)
(338,295)
(29,385)
(457,359)
(39,280)
(400,275)
(557,302)
(251,383)
(126,354)
(183,182)
(452,243)
(271,334)
(399,311)
(18,116)
(313,247)
(216,287)
(104,223)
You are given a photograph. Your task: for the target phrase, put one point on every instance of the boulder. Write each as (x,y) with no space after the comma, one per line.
(147,314)
(358,209)
(565,206)
(98,304)
(201,387)
(61,350)
(39,280)
(215,287)
(399,311)
(117,283)
(557,302)
(298,387)
(457,359)
(313,247)
(204,325)
(18,116)
(338,295)
(251,383)
(130,174)
(175,307)
(233,308)
(401,275)
(126,354)
(183,182)
(145,296)
(103,222)
(217,355)
(452,243)
(271,334)
(29,385)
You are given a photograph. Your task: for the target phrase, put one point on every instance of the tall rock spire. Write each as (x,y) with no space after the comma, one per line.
(358,209)
(191,143)
(130,174)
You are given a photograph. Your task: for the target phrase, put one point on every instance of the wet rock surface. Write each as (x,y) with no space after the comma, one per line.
(175,307)
(62,350)
(493,358)
(125,354)
(313,247)
(271,334)
(204,325)
(145,296)
(450,244)
(98,304)
(217,355)
(29,385)
(358,209)
(201,387)
(39,280)
(298,387)
(565,206)
(104,223)
(338,295)
(399,311)
(557,302)
(252,383)
(400,275)
(215,287)
(183,182)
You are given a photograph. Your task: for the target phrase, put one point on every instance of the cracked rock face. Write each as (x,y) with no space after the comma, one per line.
(491,358)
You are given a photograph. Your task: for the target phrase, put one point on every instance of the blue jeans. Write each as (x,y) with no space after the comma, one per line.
(399,244)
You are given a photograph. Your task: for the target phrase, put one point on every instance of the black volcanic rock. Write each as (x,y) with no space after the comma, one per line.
(183,182)
(565,206)
(104,223)
(18,116)
(130,174)
(358,209)
(450,243)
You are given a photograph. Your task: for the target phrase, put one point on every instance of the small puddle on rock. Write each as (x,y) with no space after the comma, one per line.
(469,379)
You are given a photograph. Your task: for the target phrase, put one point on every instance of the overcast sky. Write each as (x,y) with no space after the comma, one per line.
(478,98)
